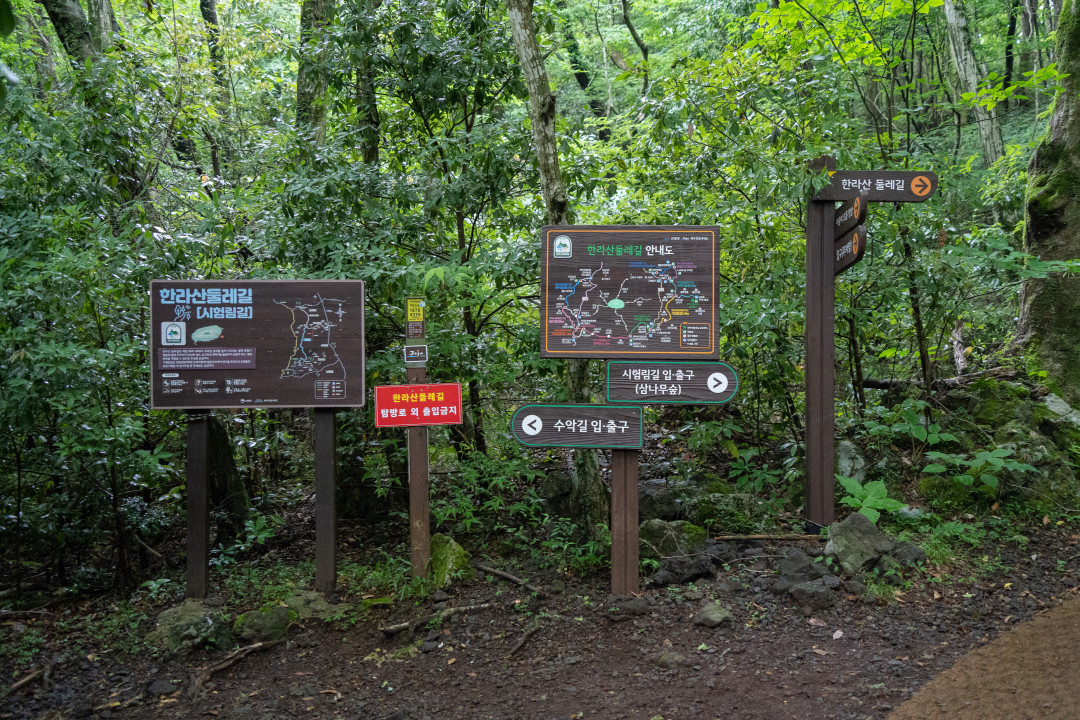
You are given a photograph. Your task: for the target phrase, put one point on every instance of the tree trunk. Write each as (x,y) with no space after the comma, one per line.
(1050,308)
(102,21)
(71,27)
(967,70)
(227,491)
(589,498)
(311,78)
(1010,46)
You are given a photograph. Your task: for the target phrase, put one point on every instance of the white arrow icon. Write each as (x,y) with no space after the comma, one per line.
(718,382)
(532,425)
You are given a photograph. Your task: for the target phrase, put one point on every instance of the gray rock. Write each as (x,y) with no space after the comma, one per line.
(813,595)
(796,567)
(720,552)
(854,587)
(429,646)
(449,561)
(909,554)
(267,625)
(188,625)
(161,687)
(659,539)
(631,606)
(856,543)
(850,461)
(781,586)
(669,659)
(681,570)
(713,614)
(662,504)
(831,581)
(439,596)
(309,604)
(888,566)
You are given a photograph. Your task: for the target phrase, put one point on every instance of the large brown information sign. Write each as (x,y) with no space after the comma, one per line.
(257,343)
(614,291)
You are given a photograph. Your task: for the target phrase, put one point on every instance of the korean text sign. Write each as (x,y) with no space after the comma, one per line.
(411,405)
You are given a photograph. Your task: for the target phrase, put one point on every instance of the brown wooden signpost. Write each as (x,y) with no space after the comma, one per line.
(618,427)
(827,255)
(257,343)
(671,382)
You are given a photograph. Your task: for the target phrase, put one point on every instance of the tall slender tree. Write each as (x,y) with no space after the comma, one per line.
(589,497)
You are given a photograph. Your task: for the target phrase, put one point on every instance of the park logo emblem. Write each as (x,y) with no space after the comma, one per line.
(564,247)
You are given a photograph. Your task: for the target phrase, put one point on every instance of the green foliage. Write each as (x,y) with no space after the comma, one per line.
(870,498)
(983,471)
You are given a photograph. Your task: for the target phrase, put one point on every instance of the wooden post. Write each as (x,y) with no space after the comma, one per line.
(198,510)
(624,522)
(325,499)
(419,489)
(820,417)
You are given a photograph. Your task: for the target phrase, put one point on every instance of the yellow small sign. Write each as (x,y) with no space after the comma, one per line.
(414,309)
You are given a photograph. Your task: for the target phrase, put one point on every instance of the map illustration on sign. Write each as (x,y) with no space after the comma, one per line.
(314,327)
(629,291)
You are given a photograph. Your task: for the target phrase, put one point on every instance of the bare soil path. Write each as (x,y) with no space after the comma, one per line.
(582,658)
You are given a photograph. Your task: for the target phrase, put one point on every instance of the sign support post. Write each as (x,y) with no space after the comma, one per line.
(419,481)
(624,522)
(820,327)
(198,509)
(325,500)
(826,257)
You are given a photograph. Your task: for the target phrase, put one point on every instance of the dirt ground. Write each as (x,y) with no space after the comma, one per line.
(574,655)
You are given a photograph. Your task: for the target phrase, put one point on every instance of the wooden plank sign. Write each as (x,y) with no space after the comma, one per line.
(256,343)
(881,185)
(620,291)
(849,249)
(851,214)
(414,405)
(595,426)
(679,382)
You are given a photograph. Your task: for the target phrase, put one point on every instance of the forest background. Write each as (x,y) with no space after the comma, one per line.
(393,142)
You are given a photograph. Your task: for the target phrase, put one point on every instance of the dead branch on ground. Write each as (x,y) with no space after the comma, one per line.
(507,576)
(441,615)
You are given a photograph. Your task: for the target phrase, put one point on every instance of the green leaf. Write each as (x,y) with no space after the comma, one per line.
(964,479)
(1001,452)
(871,513)
(989,479)
(934,468)
(851,501)
(919,433)
(876,489)
(854,487)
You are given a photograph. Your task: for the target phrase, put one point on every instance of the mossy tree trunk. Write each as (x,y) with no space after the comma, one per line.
(227,492)
(1050,308)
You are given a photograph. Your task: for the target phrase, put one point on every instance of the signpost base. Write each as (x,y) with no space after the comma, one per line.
(325,500)
(419,490)
(624,522)
(198,510)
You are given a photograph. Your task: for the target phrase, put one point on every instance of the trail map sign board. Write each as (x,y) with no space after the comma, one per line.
(257,343)
(593,426)
(414,405)
(646,292)
(679,382)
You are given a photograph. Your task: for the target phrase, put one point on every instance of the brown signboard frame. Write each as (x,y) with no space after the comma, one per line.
(245,344)
(849,249)
(664,399)
(680,260)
